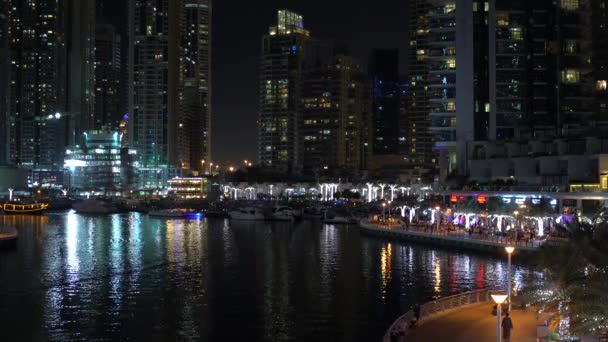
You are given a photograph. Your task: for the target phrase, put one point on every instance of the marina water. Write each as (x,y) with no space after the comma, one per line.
(133,277)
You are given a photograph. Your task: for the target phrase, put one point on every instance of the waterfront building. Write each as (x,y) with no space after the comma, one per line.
(169,101)
(188,188)
(101,163)
(283,51)
(503,71)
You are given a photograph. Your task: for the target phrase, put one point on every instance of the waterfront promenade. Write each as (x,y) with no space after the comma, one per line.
(474,323)
(457,238)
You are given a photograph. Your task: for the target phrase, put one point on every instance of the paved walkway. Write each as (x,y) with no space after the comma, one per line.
(474,323)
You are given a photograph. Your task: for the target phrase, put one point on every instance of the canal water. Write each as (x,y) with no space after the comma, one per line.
(131,277)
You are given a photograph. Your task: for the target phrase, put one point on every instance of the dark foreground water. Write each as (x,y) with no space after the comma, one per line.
(130,277)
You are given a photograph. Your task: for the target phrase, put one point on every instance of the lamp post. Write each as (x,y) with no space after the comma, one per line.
(498,299)
(509,250)
(383,207)
(437,216)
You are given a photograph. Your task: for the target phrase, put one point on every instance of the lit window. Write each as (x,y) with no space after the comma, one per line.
(486,6)
(601,85)
(451,63)
(516,33)
(571,76)
(570,5)
(450,7)
(502,19)
(487,107)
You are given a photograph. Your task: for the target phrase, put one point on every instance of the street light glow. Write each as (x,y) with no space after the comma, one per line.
(499,298)
(509,249)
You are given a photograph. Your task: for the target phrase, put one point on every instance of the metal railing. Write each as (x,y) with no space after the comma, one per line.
(402,325)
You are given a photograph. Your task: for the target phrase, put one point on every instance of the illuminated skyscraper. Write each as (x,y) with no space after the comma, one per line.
(279,95)
(170,74)
(194,127)
(36,83)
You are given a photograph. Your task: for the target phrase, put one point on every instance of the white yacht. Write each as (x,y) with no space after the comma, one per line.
(94,206)
(247,214)
(281,213)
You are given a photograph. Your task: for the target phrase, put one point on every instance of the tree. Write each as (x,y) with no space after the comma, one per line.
(576,279)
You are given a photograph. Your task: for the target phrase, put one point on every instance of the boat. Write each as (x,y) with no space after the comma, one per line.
(24,209)
(313,213)
(246,214)
(333,218)
(280,213)
(94,206)
(176,213)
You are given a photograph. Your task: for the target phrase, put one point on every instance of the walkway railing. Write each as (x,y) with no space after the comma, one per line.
(403,324)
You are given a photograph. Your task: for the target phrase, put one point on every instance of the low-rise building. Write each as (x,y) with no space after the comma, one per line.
(188,188)
(101,163)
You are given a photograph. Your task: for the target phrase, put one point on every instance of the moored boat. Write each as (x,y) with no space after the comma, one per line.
(280,213)
(94,206)
(24,209)
(247,214)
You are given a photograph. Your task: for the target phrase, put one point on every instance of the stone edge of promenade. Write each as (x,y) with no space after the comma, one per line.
(479,245)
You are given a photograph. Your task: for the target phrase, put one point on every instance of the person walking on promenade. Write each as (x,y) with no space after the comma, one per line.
(507,325)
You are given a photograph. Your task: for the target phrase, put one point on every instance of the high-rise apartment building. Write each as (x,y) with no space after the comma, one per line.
(335,111)
(79,16)
(504,71)
(384,71)
(35,97)
(169,78)
(108,111)
(419,141)
(283,51)
(194,128)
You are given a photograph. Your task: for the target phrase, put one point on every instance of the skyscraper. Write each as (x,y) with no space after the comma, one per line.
(419,140)
(108,111)
(79,17)
(195,85)
(36,83)
(384,70)
(170,51)
(279,94)
(335,107)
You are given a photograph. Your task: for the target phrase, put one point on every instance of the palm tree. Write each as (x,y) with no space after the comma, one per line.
(576,279)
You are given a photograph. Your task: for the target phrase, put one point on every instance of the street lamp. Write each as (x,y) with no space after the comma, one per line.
(383,207)
(498,299)
(509,250)
(437,216)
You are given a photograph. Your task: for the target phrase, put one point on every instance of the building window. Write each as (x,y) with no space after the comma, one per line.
(571,76)
(570,46)
(451,63)
(502,19)
(601,85)
(570,5)
(517,33)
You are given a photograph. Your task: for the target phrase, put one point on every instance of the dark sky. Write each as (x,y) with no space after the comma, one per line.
(238,27)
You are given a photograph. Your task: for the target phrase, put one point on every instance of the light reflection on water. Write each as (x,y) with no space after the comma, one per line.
(81,278)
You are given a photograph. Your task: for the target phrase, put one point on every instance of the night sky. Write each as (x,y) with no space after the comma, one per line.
(238,27)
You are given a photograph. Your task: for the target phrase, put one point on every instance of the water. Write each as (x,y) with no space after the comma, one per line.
(130,277)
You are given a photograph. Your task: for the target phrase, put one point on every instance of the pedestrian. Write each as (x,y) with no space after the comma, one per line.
(507,325)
